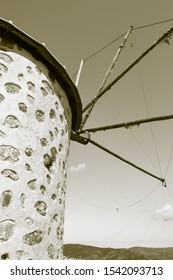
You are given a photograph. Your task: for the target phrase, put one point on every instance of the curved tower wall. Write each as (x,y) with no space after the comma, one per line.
(35,128)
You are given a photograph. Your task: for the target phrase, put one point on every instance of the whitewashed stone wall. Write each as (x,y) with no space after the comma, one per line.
(35,127)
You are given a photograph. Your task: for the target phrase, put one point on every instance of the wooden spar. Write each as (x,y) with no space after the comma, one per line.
(128,162)
(78,74)
(162,38)
(106,76)
(128,124)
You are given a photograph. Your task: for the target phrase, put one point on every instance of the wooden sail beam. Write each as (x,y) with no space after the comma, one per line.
(85,140)
(127,124)
(79,73)
(166,35)
(106,76)
(127,162)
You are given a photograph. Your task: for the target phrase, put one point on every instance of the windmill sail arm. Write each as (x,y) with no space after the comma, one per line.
(128,124)
(128,162)
(106,76)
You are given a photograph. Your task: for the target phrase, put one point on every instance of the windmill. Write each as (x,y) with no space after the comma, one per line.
(39,106)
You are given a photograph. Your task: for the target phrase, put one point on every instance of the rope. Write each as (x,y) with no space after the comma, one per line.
(115,208)
(120,76)
(152,24)
(119,37)
(169,161)
(142,199)
(131,223)
(146,105)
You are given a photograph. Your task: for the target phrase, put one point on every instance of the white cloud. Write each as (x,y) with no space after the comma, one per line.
(78,168)
(165,213)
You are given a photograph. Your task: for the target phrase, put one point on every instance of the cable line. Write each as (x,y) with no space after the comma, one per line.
(147,109)
(116,39)
(115,208)
(169,161)
(142,199)
(152,24)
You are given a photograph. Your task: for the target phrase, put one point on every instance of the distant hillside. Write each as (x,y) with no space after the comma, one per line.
(78,251)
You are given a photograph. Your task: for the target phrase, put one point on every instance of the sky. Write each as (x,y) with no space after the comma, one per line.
(109,203)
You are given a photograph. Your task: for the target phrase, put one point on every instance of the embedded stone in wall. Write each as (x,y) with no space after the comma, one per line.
(32,184)
(43,91)
(60,147)
(61,118)
(38,70)
(47,161)
(5,256)
(33,238)
(57,105)
(1,98)
(22,107)
(53,153)
(28,152)
(43,142)
(41,207)
(22,200)
(48,178)
(2,134)
(31,86)
(55,217)
(10,174)
(9,153)
(49,230)
(28,167)
(40,116)
(12,121)
(20,76)
(7,229)
(50,159)
(62,132)
(51,136)
(20,254)
(53,196)
(52,114)
(51,251)
(30,98)
(6,57)
(12,88)
(6,198)
(56,131)
(29,69)
(48,87)
(3,68)
(59,233)
(28,222)
(43,189)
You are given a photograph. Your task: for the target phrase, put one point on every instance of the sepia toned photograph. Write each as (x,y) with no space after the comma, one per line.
(86,138)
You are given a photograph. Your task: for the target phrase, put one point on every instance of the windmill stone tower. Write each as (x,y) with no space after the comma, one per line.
(39,106)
